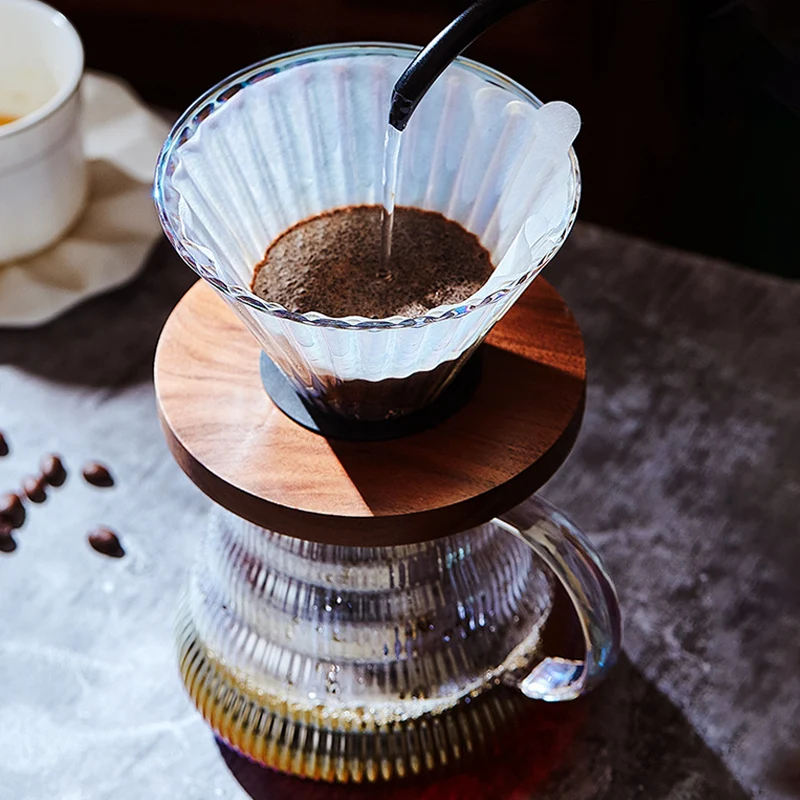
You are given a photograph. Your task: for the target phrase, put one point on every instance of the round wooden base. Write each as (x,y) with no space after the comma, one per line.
(244,453)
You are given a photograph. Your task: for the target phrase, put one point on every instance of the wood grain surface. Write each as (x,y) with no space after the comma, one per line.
(243,452)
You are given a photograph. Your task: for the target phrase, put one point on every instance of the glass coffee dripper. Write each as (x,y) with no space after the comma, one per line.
(304,133)
(361,662)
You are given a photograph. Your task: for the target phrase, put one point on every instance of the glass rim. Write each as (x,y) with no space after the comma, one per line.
(221,92)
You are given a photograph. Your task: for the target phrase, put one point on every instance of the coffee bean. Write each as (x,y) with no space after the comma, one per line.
(3,445)
(35,489)
(7,542)
(97,475)
(12,512)
(53,470)
(105,541)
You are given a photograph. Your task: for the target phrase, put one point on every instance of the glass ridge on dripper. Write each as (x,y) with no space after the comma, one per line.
(303,133)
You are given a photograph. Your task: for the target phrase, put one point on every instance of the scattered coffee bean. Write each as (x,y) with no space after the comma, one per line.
(3,445)
(12,512)
(53,470)
(106,542)
(35,489)
(97,475)
(7,542)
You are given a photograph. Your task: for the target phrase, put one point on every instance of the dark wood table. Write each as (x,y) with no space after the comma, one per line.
(686,476)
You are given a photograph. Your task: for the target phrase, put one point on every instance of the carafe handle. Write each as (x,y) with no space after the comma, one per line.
(558,542)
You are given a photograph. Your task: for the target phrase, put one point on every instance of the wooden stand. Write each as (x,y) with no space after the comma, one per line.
(244,453)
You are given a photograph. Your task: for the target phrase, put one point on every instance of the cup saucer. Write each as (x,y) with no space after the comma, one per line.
(108,245)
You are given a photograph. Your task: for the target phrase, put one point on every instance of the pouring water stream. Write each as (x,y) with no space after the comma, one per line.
(412,85)
(391,160)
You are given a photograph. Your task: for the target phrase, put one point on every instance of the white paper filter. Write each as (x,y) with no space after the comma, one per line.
(306,135)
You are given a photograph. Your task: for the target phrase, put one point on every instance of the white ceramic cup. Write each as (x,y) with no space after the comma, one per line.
(43,185)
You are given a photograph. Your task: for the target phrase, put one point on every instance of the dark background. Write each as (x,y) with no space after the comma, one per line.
(691,108)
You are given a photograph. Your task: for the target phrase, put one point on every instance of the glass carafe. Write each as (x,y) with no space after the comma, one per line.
(367,663)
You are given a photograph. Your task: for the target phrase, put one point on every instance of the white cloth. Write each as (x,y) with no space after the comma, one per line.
(109,244)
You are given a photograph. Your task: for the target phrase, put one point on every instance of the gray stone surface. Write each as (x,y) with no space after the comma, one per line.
(685,475)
